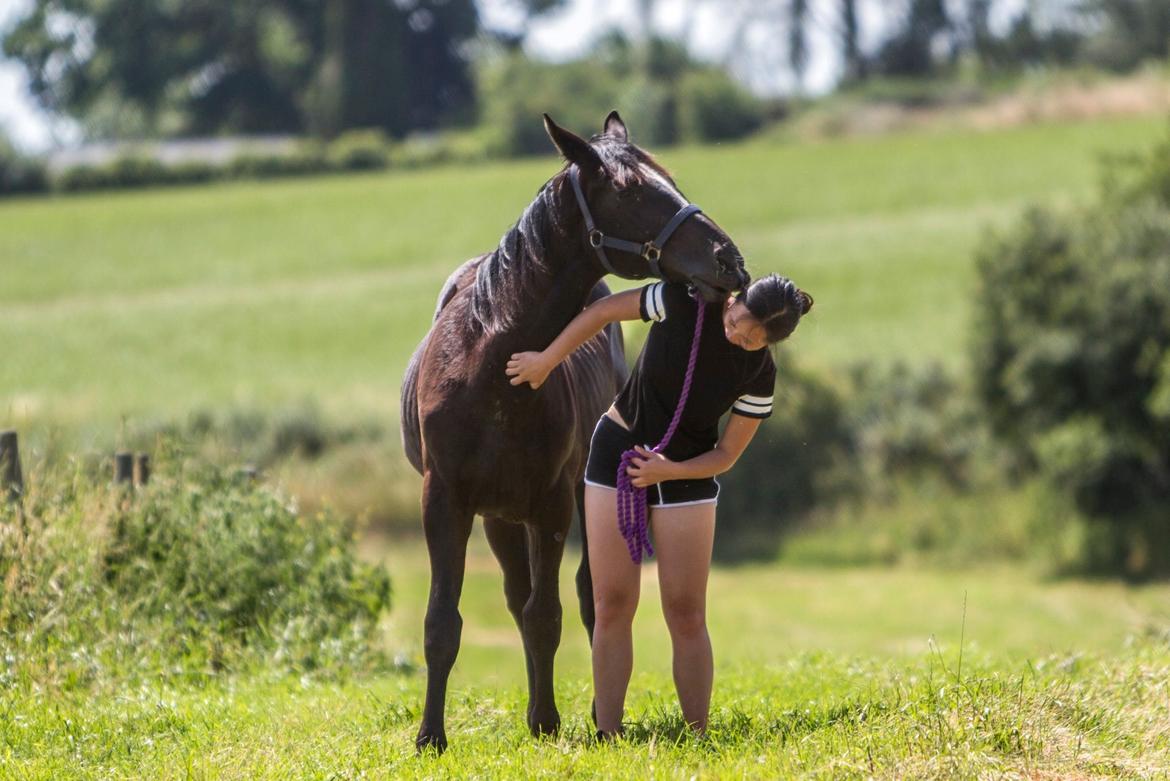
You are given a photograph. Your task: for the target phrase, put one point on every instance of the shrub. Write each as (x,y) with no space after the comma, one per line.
(83,177)
(516,91)
(359,150)
(712,107)
(915,422)
(197,572)
(307,158)
(20,174)
(800,457)
(1071,348)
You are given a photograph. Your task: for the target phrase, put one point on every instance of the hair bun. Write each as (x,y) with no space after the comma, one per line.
(778,304)
(792,299)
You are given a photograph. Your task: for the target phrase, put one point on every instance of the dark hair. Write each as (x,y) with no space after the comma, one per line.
(778,304)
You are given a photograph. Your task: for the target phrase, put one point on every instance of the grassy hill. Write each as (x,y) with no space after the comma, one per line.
(134,306)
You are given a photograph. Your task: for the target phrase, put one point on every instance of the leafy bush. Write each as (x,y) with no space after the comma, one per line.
(1071,357)
(800,457)
(307,158)
(360,150)
(712,107)
(916,422)
(666,99)
(515,91)
(197,572)
(20,174)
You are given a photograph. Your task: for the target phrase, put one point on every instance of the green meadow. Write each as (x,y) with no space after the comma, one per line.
(820,673)
(137,306)
(121,309)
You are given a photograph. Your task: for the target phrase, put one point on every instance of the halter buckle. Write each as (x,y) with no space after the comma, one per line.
(596,238)
(651,252)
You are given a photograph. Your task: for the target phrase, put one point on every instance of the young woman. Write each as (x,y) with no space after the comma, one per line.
(735,371)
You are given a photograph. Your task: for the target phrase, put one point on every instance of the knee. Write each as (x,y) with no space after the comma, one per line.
(441,634)
(543,616)
(614,608)
(685,618)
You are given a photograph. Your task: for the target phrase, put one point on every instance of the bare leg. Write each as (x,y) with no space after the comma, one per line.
(683,537)
(615,599)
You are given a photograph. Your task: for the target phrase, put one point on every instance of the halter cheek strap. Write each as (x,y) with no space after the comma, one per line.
(651,251)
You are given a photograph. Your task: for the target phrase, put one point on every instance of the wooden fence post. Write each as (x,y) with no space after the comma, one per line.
(143,463)
(11,479)
(123,468)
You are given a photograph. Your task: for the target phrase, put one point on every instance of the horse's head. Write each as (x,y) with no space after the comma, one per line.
(633,197)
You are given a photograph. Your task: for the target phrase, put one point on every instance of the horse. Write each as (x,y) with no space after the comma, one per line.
(514,455)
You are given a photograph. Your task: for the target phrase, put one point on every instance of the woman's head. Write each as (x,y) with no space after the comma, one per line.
(766,313)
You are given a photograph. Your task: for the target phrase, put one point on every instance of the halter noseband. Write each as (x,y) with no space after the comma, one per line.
(651,251)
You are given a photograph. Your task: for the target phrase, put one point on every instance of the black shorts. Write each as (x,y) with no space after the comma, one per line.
(610,440)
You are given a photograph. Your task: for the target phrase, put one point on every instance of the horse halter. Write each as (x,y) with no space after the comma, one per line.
(650,250)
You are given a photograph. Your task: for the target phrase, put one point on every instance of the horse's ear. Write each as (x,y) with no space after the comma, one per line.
(615,127)
(574,148)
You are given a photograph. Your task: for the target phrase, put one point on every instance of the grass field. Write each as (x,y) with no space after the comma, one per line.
(819,673)
(119,309)
(144,305)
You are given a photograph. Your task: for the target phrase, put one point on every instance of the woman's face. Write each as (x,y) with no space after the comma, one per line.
(742,328)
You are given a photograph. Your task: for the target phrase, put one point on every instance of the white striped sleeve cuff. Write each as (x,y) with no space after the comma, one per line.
(652,306)
(753,406)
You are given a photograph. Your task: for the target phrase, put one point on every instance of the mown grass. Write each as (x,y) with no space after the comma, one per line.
(150,304)
(820,674)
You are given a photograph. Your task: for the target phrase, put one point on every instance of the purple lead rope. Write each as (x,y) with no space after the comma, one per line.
(631,500)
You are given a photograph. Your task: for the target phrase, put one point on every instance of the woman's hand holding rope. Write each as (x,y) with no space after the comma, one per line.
(649,468)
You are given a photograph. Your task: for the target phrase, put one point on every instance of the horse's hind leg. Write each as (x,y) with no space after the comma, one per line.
(542,614)
(584,577)
(508,544)
(447,526)
(585,580)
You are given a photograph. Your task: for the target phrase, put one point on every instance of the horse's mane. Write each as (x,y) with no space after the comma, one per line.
(498,293)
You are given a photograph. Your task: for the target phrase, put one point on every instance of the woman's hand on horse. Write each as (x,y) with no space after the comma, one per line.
(531,367)
(650,468)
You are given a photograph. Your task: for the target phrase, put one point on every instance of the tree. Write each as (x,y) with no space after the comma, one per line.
(926,29)
(798,40)
(850,42)
(139,67)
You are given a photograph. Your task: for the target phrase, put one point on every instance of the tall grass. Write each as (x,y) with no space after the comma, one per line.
(197,573)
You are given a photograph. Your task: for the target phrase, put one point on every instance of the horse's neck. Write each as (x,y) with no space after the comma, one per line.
(538,279)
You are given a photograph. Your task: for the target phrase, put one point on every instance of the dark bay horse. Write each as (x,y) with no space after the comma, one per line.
(514,455)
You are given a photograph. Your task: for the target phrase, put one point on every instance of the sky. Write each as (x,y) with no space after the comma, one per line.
(558,36)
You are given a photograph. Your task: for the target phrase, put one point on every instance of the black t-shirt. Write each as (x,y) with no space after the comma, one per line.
(726,376)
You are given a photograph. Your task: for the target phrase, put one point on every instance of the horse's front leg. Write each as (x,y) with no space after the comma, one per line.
(447,525)
(542,614)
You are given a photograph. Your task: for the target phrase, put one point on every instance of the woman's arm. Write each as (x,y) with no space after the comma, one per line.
(653,468)
(534,367)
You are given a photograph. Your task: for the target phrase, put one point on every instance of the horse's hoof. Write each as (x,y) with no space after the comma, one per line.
(548,726)
(435,743)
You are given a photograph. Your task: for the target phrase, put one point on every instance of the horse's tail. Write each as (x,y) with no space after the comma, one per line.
(411,433)
(408,416)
